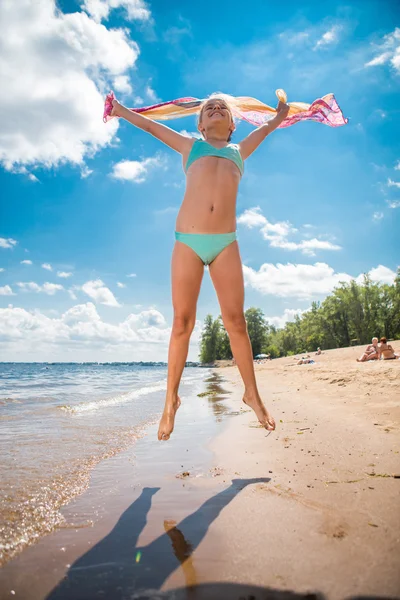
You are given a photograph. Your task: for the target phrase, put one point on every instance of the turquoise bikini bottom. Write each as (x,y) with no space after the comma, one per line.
(206,245)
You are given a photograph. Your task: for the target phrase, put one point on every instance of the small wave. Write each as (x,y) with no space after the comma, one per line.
(31,508)
(4,401)
(120,399)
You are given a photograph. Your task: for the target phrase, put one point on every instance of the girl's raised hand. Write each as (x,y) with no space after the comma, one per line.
(115,108)
(282,108)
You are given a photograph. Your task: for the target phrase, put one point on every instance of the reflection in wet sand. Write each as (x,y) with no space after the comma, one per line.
(216,395)
(183,551)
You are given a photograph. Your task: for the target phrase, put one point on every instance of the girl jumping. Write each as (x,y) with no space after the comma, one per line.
(206,235)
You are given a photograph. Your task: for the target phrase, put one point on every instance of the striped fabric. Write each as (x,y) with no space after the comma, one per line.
(323,110)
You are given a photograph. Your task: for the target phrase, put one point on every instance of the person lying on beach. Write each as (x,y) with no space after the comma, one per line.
(305,361)
(386,351)
(206,235)
(371,352)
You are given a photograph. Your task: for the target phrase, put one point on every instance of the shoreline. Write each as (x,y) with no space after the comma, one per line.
(309,508)
(116,484)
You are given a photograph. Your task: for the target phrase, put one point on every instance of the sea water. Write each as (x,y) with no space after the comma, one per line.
(57,421)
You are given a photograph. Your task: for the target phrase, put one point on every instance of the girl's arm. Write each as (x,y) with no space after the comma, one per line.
(254,139)
(171,138)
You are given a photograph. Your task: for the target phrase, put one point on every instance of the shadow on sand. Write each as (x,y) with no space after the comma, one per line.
(117,569)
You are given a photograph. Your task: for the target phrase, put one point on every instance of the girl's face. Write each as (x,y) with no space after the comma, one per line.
(215,111)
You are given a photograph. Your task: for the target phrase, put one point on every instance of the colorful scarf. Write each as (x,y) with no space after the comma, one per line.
(323,110)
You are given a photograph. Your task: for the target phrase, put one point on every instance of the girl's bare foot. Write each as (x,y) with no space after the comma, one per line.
(167,420)
(262,414)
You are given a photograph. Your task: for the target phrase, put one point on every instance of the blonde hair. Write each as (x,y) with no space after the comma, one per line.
(220,96)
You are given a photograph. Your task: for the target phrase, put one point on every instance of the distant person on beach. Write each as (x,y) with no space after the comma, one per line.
(371,352)
(206,235)
(318,352)
(386,351)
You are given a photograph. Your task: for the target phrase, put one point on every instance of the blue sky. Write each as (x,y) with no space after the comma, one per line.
(85,255)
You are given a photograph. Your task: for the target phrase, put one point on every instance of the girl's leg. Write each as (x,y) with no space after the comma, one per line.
(227,276)
(186,273)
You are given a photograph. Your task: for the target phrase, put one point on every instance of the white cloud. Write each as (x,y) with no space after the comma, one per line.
(387,51)
(147,318)
(85,171)
(301,281)
(51,288)
(72,294)
(6,291)
(47,288)
(7,243)
(134,9)
(150,93)
(191,134)
(29,286)
(392,183)
(289,314)
(306,246)
(252,217)
(382,274)
(270,231)
(329,37)
(134,170)
(132,275)
(65,61)
(377,216)
(277,233)
(1,270)
(21,170)
(121,285)
(47,266)
(381,59)
(36,336)
(63,274)
(100,293)
(397,166)
(26,262)
(393,203)
(122,84)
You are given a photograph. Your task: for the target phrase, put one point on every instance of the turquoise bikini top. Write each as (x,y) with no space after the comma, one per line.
(202,148)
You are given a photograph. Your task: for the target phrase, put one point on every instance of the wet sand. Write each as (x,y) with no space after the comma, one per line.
(227,510)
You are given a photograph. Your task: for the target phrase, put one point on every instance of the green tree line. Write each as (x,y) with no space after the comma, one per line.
(353,313)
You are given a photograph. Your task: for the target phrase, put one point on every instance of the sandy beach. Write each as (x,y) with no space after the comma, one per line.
(228,510)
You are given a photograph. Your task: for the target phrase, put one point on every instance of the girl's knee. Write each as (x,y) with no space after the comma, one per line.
(183,324)
(235,323)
